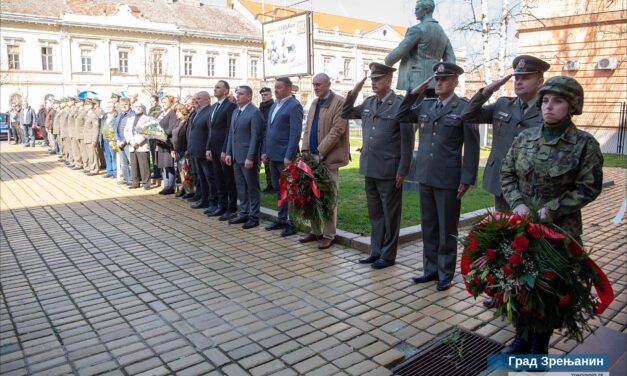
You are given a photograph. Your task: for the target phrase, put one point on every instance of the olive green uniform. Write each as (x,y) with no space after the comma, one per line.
(91,141)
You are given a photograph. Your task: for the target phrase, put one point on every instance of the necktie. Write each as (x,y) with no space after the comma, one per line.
(438,107)
(237,114)
(215,109)
(379,103)
(523,108)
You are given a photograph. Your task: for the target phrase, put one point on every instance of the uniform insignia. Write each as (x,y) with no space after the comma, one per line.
(521,64)
(454,104)
(503,113)
(366,110)
(441,68)
(453,116)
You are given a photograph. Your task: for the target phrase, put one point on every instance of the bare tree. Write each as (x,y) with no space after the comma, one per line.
(503,40)
(155,77)
(485,41)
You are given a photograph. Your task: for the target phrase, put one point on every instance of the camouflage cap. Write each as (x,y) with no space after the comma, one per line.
(566,87)
(527,64)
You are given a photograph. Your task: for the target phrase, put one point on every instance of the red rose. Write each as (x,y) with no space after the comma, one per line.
(565,299)
(490,279)
(515,259)
(507,270)
(523,309)
(537,315)
(520,243)
(472,245)
(549,275)
(515,219)
(498,296)
(490,253)
(476,279)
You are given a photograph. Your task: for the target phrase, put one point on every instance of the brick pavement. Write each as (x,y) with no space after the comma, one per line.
(188,295)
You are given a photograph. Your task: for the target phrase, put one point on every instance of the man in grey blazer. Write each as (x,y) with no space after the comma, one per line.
(385,159)
(283,130)
(242,152)
(444,175)
(424,44)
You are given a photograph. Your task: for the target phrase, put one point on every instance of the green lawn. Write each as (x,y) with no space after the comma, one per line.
(614,160)
(352,209)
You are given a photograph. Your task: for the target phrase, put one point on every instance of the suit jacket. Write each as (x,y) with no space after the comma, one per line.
(424,45)
(507,123)
(27,116)
(284,131)
(130,135)
(198,132)
(245,134)
(333,145)
(387,143)
(439,162)
(219,126)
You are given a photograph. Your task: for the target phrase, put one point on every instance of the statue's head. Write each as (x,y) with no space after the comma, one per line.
(424,8)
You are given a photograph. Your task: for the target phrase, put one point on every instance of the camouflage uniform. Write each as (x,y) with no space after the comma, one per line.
(564,174)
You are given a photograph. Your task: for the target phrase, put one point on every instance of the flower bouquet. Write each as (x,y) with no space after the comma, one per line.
(186,175)
(538,275)
(108,134)
(151,130)
(308,186)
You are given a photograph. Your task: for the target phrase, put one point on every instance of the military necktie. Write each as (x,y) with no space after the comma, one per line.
(379,103)
(438,107)
(523,108)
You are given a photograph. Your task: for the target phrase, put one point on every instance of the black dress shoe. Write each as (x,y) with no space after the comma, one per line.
(288,230)
(216,213)
(239,219)
(425,278)
(250,224)
(147,187)
(133,187)
(488,303)
(275,226)
(166,191)
(444,285)
(381,263)
(181,193)
(199,205)
(187,196)
(193,198)
(368,260)
(226,216)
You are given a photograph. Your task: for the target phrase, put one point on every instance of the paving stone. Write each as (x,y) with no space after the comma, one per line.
(268,368)
(389,358)
(217,357)
(309,364)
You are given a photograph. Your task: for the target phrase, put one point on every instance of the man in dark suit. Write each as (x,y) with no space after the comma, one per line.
(264,106)
(220,122)
(283,129)
(385,159)
(242,151)
(198,132)
(444,175)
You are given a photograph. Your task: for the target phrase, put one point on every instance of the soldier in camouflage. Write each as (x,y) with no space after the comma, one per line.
(558,166)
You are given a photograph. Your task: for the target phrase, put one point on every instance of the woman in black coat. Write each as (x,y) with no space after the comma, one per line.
(164,160)
(179,148)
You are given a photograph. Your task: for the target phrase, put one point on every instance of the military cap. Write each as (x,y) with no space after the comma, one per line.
(115,95)
(265,89)
(89,101)
(527,64)
(380,70)
(447,69)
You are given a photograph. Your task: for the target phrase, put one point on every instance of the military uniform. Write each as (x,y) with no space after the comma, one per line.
(440,171)
(92,130)
(79,133)
(508,119)
(386,152)
(56,131)
(77,160)
(63,133)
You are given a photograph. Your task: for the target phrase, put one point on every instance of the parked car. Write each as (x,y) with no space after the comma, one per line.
(4,127)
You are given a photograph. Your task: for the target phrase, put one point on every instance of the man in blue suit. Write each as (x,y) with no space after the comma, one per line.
(242,152)
(283,130)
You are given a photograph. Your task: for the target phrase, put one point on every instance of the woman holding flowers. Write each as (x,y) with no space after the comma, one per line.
(557,170)
(167,120)
(179,147)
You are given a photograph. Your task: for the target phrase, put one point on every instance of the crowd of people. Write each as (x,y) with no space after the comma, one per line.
(214,152)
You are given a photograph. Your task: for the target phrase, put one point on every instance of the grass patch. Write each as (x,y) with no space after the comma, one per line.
(352,212)
(615,160)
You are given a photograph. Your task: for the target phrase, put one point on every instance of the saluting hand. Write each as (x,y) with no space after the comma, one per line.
(495,85)
(359,85)
(423,86)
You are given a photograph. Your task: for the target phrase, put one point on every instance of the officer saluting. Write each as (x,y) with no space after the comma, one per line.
(509,116)
(444,175)
(385,159)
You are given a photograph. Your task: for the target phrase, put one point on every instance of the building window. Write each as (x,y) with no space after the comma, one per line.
(326,65)
(13,56)
(85,60)
(46,58)
(347,68)
(232,67)
(211,66)
(188,65)
(157,63)
(123,61)
(253,68)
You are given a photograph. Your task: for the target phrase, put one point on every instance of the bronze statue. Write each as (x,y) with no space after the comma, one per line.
(424,45)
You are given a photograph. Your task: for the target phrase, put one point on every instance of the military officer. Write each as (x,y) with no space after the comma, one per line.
(443,173)
(385,159)
(63,133)
(92,130)
(59,106)
(508,115)
(100,113)
(80,132)
(77,160)
(115,99)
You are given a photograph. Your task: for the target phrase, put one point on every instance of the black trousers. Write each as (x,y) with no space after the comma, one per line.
(140,168)
(225,185)
(204,175)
